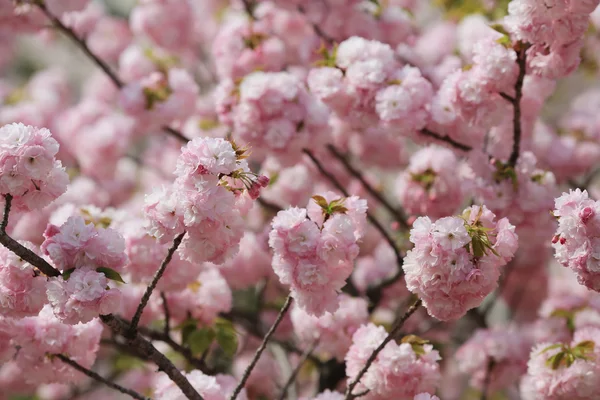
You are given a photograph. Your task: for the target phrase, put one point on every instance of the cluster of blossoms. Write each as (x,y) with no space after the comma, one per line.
(274,113)
(314,249)
(29,171)
(88,256)
(207,200)
(399,372)
(577,239)
(555,32)
(456,261)
(508,351)
(431,185)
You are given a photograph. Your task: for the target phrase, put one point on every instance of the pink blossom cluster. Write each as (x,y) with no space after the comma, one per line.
(29,171)
(273,113)
(400,371)
(218,387)
(577,239)
(456,261)
(89,256)
(506,349)
(431,185)
(365,86)
(314,248)
(332,332)
(555,32)
(207,200)
(22,290)
(561,371)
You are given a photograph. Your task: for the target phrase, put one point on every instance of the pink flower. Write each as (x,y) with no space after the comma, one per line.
(218,387)
(456,261)
(398,372)
(332,331)
(28,168)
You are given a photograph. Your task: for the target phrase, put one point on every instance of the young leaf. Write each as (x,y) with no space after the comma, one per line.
(110,274)
(227,338)
(66,274)
(200,340)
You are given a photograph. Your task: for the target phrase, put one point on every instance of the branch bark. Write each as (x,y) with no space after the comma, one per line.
(138,313)
(20,250)
(99,378)
(522,62)
(147,350)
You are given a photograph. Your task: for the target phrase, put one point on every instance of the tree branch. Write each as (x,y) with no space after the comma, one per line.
(20,250)
(398,214)
(261,348)
(522,62)
(81,44)
(99,378)
(296,370)
(138,313)
(445,138)
(373,356)
(146,349)
(167,329)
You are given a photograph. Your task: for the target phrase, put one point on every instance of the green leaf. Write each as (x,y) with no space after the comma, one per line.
(110,274)
(200,340)
(586,345)
(321,201)
(124,362)
(67,274)
(227,338)
(552,347)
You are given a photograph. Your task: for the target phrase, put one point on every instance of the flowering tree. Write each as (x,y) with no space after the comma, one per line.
(299,199)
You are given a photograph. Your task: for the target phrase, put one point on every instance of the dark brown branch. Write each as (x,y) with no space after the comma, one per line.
(398,214)
(375,295)
(20,250)
(296,370)
(147,350)
(97,60)
(507,97)
(522,62)
(99,378)
(261,348)
(184,351)
(167,328)
(445,138)
(375,353)
(249,7)
(138,313)
(81,44)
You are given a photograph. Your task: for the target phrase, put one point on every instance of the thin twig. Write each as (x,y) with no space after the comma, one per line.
(488,379)
(263,345)
(197,363)
(318,31)
(296,370)
(379,348)
(149,351)
(112,75)
(445,138)
(81,44)
(20,250)
(398,214)
(522,62)
(99,378)
(167,328)
(146,297)
(507,97)
(375,295)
